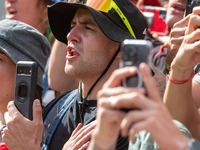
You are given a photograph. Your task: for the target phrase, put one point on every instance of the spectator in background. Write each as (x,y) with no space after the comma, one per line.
(160,54)
(175,13)
(2,9)
(185,94)
(34,13)
(157,43)
(31,46)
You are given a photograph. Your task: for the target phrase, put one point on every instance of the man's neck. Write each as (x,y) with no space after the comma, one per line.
(87,85)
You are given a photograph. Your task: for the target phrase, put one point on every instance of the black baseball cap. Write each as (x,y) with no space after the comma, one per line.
(61,14)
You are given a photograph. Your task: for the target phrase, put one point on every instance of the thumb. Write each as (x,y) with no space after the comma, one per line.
(37,111)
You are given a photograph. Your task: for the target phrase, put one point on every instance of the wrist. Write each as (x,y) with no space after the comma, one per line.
(97,140)
(172,80)
(94,146)
(180,73)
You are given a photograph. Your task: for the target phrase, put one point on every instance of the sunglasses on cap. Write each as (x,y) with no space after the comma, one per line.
(105,6)
(72,1)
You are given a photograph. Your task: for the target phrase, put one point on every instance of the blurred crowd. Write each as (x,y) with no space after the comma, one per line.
(80,102)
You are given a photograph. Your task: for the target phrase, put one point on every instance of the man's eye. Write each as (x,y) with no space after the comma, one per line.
(72,27)
(88,28)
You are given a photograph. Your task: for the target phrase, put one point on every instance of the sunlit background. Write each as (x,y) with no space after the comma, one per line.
(2,9)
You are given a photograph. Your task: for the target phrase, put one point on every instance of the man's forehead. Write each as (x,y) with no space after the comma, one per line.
(84,14)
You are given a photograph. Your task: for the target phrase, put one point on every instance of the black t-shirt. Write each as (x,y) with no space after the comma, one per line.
(72,118)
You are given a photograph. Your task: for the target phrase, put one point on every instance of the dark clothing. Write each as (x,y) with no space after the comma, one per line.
(154,42)
(159,62)
(72,118)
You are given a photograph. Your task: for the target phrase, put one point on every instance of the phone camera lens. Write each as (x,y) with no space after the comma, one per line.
(133,52)
(22,91)
(129,53)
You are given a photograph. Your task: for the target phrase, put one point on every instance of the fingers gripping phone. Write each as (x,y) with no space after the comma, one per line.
(25,87)
(134,52)
(190,5)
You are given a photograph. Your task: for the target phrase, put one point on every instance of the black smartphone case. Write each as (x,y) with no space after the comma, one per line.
(25,87)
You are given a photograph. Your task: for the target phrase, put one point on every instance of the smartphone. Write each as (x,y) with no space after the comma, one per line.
(190,5)
(25,87)
(133,53)
(155,17)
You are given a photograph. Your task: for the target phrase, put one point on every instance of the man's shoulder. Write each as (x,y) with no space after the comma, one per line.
(143,141)
(54,101)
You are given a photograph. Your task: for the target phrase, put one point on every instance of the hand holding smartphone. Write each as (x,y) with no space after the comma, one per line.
(134,52)
(25,87)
